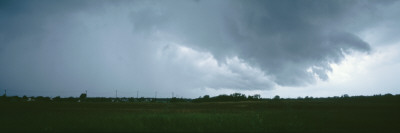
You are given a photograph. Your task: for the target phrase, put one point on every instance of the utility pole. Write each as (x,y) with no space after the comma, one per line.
(116,93)
(172,94)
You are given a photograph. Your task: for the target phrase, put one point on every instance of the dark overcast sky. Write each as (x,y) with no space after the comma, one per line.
(192,48)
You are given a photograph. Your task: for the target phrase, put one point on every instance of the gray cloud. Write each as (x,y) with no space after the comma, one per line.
(131,45)
(283,38)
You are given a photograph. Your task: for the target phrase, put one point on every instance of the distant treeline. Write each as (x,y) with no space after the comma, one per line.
(228,98)
(83,98)
(235,97)
(241,97)
(87,99)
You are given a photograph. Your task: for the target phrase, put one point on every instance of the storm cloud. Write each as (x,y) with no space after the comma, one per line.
(66,46)
(283,38)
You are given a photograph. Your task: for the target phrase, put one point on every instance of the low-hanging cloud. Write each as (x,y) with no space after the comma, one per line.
(283,38)
(177,44)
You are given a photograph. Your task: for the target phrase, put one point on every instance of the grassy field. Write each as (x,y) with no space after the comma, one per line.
(255,116)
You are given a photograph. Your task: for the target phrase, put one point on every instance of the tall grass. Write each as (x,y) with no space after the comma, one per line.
(259,116)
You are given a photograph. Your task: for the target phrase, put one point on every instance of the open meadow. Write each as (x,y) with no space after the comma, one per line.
(324,115)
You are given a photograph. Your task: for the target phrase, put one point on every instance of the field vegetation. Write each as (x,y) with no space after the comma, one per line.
(379,113)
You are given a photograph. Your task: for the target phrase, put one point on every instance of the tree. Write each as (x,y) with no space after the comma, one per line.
(237,97)
(277,97)
(254,97)
(388,95)
(57,98)
(82,96)
(42,99)
(250,97)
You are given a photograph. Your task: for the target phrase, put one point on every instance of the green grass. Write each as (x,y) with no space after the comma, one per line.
(262,116)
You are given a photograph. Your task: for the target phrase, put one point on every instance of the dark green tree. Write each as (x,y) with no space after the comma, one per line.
(82,96)
(277,97)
